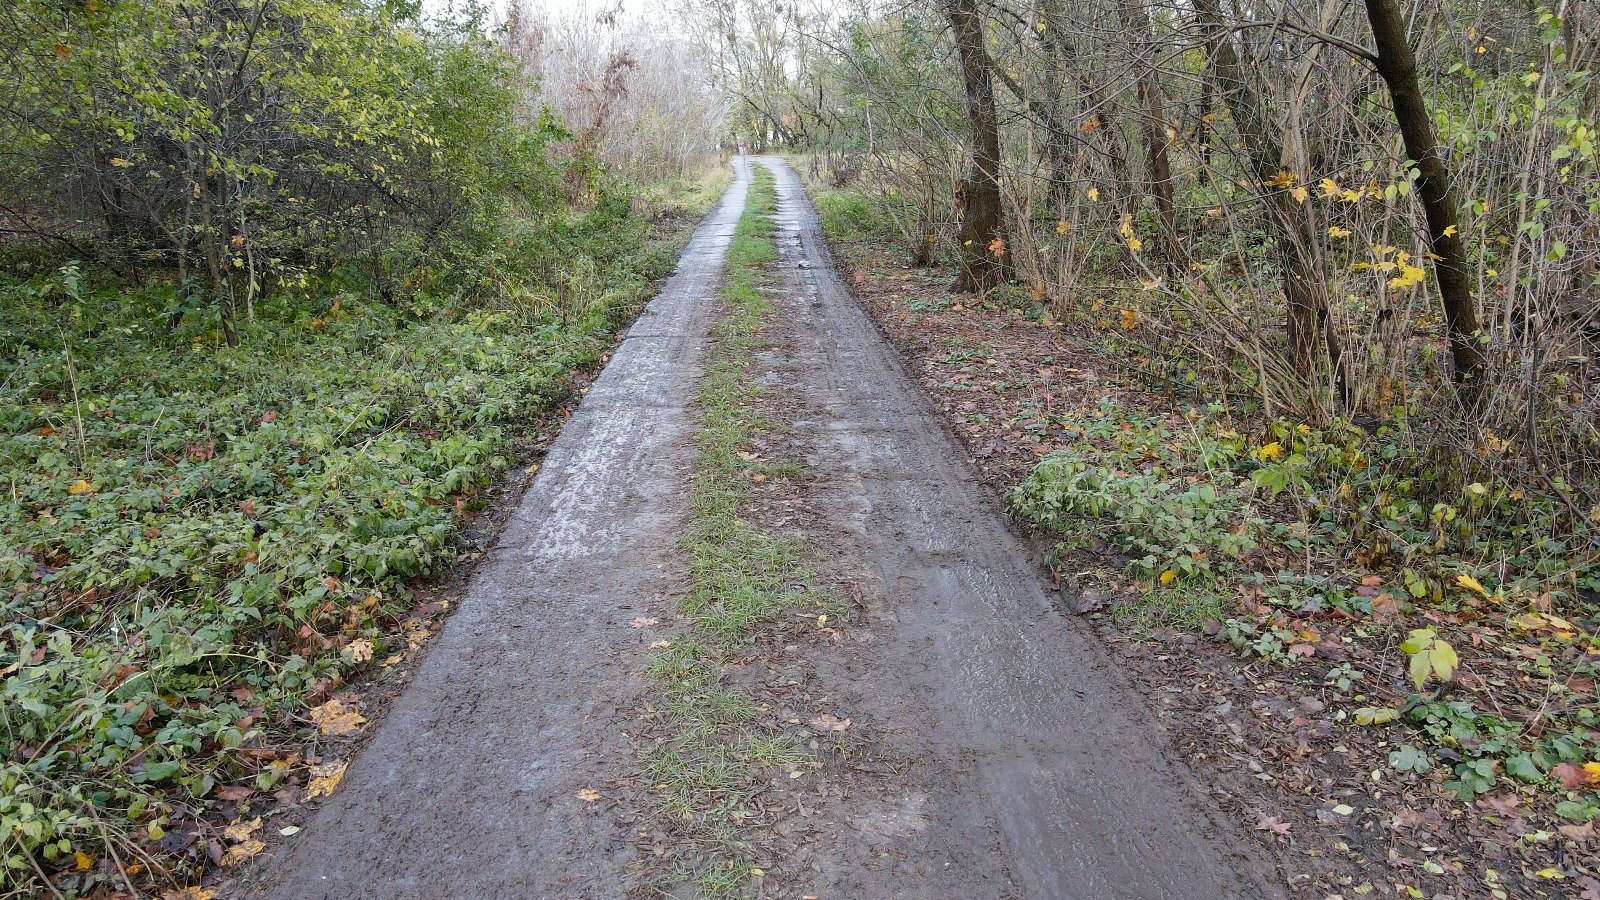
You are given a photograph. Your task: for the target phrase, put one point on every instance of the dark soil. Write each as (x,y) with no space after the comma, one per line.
(993,746)
(1265,739)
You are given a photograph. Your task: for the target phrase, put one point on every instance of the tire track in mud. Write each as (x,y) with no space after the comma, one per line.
(469,786)
(993,751)
(1028,747)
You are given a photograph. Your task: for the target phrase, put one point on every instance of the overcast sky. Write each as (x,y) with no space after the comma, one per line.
(632,9)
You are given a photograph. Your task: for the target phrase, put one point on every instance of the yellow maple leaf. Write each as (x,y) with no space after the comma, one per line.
(335,718)
(1168,576)
(1283,179)
(1270,451)
(1410,276)
(241,831)
(1452,231)
(360,650)
(1062,226)
(1126,230)
(1130,318)
(81,486)
(1094,195)
(1330,188)
(82,860)
(1300,194)
(325,778)
(238,853)
(1337,233)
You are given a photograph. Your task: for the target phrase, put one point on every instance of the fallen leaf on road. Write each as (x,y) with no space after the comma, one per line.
(829,722)
(241,831)
(644,622)
(325,778)
(335,718)
(1273,824)
(589,795)
(238,853)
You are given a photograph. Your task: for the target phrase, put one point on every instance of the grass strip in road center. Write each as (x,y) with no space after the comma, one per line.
(718,745)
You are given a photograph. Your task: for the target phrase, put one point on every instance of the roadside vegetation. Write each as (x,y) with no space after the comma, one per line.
(283,287)
(1321,386)
(718,743)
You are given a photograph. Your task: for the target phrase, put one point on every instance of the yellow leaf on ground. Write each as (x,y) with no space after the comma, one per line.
(589,795)
(1471,584)
(1169,577)
(190,893)
(335,718)
(830,722)
(241,831)
(238,853)
(1130,318)
(325,778)
(83,860)
(360,650)
(80,487)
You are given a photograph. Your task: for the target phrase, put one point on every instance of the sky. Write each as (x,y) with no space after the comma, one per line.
(560,8)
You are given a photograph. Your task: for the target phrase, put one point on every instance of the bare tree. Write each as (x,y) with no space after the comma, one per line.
(985,256)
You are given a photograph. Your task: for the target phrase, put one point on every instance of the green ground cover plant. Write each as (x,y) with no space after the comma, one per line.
(194,536)
(707,769)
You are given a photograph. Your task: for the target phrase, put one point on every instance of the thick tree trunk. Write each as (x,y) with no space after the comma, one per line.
(1398,66)
(984,252)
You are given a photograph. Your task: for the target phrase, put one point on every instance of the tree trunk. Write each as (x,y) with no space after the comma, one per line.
(1314,349)
(984,253)
(1398,66)
(1136,22)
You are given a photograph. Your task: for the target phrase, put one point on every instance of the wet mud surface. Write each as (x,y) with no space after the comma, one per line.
(993,749)
(468,788)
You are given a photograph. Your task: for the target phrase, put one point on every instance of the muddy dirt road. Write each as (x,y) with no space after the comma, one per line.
(1035,770)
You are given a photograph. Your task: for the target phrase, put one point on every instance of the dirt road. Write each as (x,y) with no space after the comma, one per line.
(1033,768)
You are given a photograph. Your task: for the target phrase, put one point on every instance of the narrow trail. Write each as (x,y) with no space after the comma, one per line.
(1034,769)
(467,789)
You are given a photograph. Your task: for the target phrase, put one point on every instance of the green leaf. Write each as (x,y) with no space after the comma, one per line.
(1376,715)
(1409,759)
